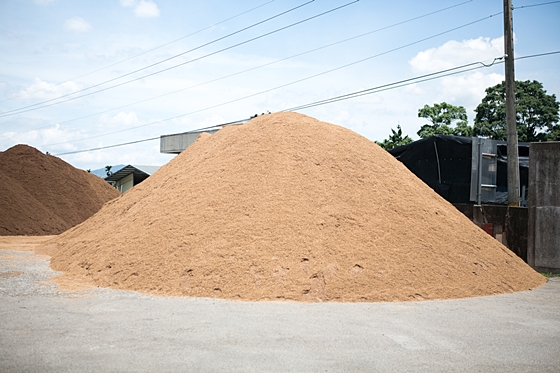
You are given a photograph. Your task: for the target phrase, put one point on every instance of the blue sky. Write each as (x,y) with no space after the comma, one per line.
(50,48)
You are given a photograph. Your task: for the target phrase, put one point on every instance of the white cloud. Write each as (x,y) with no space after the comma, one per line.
(342,116)
(121,119)
(42,137)
(455,53)
(77,24)
(187,123)
(142,8)
(43,90)
(469,88)
(465,89)
(146,9)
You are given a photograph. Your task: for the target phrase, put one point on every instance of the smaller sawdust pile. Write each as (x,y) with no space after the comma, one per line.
(288,207)
(43,195)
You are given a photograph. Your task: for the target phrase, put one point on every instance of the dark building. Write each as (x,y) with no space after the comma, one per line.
(449,165)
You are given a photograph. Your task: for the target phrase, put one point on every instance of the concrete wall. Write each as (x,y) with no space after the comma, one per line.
(543,245)
(506,224)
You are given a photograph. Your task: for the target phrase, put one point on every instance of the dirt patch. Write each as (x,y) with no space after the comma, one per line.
(10,274)
(40,245)
(288,208)
(43,195)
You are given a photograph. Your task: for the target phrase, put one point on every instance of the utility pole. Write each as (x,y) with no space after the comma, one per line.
(511,125)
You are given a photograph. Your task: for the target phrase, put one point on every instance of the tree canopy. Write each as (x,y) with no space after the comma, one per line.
(538,116)
(395,139)
(442,117)
(537,113)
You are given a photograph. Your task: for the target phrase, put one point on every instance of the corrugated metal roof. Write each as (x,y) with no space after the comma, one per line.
(147,169)
(132,169)
(102,172)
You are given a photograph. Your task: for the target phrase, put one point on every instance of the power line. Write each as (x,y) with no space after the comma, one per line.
(146,52)
(283,85)
(537,55)
(32,107)
(20,110)
(402,83)
(108,146)
(187,62)
(267,64)
(323,102)
(199,130)
(390,86)
(181,64)
(386,87)
(533,5)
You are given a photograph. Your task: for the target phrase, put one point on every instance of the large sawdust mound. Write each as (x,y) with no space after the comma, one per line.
(43,195)
(288,207)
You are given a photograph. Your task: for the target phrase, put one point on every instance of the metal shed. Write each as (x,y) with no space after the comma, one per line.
(455,167)
(176,143)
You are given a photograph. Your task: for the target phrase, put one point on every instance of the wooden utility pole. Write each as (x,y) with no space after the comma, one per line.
(511,125)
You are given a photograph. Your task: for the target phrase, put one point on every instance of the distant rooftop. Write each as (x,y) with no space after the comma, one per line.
(102,173)
(139,171)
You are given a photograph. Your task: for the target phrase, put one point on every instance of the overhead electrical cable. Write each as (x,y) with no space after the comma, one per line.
(533,5)
(242,98)
(269,63)
(261,66)
(145,52)
(157,63)
(286,84)
(402,83)
(199,130)
(537,55)
(218,23)
(108,146)
(385,87)
(181,64)
(12,112)
(228,19)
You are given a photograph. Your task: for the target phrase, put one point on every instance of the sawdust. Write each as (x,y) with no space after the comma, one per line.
(23,243)
(288,208)
(43,195)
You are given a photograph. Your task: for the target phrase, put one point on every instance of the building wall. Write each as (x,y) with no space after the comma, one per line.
(125,183)
(543,245)
(506,224)
(175,144)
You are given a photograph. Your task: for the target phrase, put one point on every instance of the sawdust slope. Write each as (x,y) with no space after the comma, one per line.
(43,195)
(288,207)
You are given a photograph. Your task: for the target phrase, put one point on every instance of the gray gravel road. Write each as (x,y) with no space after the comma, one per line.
(101,330)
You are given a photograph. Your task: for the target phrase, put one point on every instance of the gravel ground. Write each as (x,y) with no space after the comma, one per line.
(99,330)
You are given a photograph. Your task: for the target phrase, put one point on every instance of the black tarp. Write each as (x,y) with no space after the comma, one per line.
(444,163)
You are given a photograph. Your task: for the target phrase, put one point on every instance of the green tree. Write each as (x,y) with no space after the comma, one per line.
(395,139)
(441,117)
(537,113)
(108,170)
